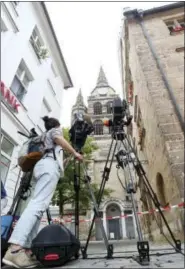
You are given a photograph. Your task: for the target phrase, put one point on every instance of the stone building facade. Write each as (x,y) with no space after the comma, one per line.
(99,109)
(156,129)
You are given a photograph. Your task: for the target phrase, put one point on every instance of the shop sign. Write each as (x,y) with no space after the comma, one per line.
(9,98)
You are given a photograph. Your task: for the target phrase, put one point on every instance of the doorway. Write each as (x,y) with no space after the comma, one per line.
(114,230)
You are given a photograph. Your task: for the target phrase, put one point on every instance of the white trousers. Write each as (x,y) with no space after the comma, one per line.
(46,173)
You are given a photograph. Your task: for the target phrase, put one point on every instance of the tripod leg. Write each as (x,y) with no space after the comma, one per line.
(143,246)
(131,191)
(77,189)
(23,188)
(105,178)
(97,213)
(49,216)
(109,250)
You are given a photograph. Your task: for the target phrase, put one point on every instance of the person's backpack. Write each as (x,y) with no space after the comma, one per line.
(31,152)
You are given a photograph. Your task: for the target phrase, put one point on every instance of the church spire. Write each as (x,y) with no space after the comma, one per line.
(79,99)
(102,80)
(79,106)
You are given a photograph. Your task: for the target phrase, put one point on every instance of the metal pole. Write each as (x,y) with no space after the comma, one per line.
(76,188)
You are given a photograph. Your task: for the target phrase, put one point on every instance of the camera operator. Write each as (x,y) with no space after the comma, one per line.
(46,173)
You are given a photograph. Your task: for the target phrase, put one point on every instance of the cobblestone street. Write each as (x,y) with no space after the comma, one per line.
(126,260)
(97,252)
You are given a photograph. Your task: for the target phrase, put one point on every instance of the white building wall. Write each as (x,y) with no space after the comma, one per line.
(15,46)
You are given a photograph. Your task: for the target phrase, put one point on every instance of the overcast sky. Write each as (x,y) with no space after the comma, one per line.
(88,34)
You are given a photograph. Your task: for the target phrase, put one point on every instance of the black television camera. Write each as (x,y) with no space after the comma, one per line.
(119,111)
(81,127)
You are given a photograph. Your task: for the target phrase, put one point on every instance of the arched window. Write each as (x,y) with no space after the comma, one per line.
(160,189)
(97,108)
(109,107)
(98,127)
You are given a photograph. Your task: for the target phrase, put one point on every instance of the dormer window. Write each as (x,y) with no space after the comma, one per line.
(175,26)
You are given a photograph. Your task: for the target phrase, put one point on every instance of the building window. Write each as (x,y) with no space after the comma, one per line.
(38,44)
(135,108)
(7,148)
(109,108)
(98,127)
(141,130)
(3,26)
(53,70)
(21,81)
(130,92)
(15,3)
(51,87)
(139,117)
(97,108)
(160,190)
(176,25)
(181,22)
(180,49)
(45,110)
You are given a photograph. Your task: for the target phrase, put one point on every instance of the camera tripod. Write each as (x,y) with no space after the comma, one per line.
(124,159)
(23,193)
(87,181)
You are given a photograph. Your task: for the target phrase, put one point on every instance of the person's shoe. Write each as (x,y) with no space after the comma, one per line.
(32,256)
(34,259)
(19,259)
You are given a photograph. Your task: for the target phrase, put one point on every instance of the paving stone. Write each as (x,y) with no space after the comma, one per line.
(166,261)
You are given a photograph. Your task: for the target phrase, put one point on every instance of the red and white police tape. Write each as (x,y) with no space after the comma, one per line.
(167,208)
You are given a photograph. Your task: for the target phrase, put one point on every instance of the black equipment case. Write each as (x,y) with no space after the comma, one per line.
(55,245)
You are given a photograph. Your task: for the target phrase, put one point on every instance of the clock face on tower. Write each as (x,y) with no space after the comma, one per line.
(103,91)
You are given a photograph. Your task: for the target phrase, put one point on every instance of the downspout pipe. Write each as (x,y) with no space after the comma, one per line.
(139,17)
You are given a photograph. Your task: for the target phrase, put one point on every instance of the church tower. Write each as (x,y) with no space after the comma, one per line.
(79,105)
(99,106)
(99,109)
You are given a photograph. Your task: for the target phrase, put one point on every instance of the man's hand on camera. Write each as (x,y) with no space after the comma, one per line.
(78,156)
